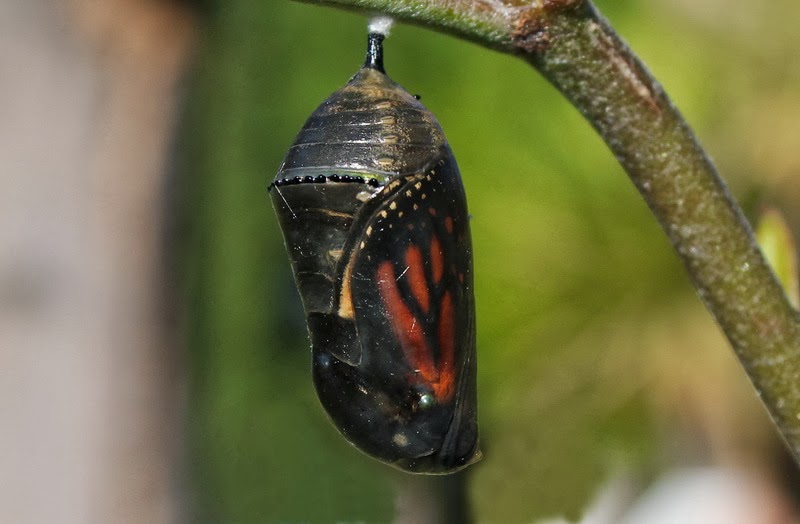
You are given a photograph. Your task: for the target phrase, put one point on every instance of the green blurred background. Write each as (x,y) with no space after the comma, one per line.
(595,356)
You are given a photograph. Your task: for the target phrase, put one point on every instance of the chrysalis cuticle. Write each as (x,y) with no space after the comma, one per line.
(374,216)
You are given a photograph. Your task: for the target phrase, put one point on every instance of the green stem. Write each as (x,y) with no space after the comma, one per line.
(576,50)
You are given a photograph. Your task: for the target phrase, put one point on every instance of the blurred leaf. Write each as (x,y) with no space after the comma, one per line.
(777,244)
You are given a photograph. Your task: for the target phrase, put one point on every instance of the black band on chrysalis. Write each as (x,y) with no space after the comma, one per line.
(375,52)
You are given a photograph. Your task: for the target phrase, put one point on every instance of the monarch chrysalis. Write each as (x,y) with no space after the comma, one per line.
(374,215)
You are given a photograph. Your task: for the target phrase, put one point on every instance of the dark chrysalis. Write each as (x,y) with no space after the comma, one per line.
(374,216)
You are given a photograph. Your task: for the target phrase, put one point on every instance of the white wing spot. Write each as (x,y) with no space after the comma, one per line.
(400,439)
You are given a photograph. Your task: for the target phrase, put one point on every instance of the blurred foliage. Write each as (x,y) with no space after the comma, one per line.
(776,241)
(587,326)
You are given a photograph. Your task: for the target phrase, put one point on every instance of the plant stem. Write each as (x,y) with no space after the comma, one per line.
(579,53)
(432,499)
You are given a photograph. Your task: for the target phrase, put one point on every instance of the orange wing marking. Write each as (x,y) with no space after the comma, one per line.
(406,328)
(345,296)
(447,345)
(437,260)
(416,277)
(448,224)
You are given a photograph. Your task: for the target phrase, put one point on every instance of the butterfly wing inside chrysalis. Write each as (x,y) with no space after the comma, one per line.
(408,280)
